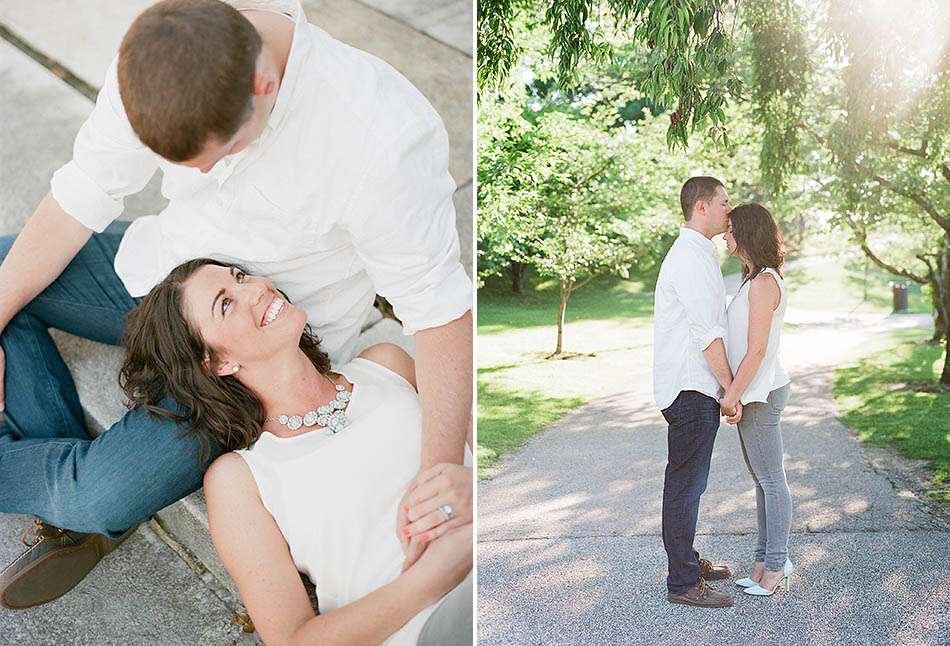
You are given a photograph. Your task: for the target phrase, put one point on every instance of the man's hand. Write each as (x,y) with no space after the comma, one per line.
(421,519)
(732,410)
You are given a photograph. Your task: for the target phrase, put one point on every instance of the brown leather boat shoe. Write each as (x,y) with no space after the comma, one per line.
(712,572)
(55,561)
(702,596)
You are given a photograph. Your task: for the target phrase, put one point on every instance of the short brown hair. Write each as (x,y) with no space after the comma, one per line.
(164,370)
(186,75)
(696,189)
(757,237)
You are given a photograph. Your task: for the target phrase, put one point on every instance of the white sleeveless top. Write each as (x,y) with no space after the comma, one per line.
(335,497)
(770,375)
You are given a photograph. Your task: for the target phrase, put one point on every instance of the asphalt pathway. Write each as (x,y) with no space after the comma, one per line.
(570,548)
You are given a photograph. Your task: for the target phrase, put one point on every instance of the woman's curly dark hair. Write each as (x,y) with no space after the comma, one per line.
(165,357)
(758,238)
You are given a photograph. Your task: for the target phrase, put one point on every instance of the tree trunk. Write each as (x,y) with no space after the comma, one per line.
(565,294)
(943,282)
(517,277)
(945,377)
(940,315)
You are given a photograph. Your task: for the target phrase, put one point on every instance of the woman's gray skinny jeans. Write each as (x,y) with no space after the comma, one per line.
(760,435)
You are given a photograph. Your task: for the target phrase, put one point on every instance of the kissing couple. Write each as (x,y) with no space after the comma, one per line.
(710,361)
(304,177)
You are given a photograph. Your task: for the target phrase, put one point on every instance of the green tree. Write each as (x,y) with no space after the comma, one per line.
(884,142)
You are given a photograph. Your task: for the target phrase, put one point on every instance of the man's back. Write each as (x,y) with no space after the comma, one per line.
(689,313)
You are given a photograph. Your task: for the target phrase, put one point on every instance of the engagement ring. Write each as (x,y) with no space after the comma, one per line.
(448,511)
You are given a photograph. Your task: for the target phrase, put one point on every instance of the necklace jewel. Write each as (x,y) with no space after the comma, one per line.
(331,415)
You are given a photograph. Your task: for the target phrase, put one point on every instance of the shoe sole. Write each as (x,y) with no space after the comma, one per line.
(37,589)
(701,605)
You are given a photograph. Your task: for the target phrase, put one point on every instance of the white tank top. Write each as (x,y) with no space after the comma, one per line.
(770,374)
(335,497)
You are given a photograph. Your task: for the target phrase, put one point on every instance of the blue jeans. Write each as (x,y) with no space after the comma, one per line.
(49,466)
(693,420)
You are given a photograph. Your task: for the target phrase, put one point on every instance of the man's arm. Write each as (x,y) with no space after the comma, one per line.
(715,354)
(48,241)
(444,375)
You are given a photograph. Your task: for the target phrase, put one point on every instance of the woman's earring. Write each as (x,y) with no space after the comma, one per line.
(235,369)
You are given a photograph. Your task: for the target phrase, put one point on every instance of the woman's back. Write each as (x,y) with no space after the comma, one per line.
(771,374)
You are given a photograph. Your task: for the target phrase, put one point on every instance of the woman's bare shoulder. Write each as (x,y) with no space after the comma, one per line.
(228,471)
(390,355)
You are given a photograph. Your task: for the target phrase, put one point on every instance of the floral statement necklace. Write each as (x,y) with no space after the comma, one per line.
(331,415)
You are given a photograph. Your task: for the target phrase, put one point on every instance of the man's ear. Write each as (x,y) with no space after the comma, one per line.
(264,83)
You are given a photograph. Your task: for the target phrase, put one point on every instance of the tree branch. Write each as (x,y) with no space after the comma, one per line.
(897,271)
(916,198)
(577,286)
(916,152)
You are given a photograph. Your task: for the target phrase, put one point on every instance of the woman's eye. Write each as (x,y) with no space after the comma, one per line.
(240,276)
(224,304)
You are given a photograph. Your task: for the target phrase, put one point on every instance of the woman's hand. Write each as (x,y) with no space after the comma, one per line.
(731,408)
(444,563)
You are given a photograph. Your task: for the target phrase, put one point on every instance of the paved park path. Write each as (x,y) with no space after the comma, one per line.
(570,548)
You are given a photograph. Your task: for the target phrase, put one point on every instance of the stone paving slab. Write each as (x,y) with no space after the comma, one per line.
(142,593)
(886,587)
(448,21)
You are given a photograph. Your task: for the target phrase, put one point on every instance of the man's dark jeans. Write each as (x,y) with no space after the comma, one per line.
(49,466)
(693,420)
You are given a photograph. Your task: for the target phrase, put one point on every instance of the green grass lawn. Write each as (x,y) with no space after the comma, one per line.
(883,406)
(839,286)
(608,338)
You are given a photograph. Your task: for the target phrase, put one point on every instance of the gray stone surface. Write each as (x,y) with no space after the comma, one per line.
(570,548)
(448,21)
(142,593)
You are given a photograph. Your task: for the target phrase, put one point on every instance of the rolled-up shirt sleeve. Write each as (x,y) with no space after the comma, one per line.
(403,228)
(109,162)
(702,302)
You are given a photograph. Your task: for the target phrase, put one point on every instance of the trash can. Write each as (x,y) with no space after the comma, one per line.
(900,296)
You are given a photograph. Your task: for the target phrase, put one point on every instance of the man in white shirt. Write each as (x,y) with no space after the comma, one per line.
(690,370)
(282,150)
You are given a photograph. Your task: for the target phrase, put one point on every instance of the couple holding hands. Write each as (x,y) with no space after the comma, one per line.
(303,178)
(710,361)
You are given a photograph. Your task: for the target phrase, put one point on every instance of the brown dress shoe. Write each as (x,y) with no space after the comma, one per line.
(703,596)
(55,561)
(712,572)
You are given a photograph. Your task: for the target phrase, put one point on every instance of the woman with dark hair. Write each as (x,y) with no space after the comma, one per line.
(320,459)
(753,344)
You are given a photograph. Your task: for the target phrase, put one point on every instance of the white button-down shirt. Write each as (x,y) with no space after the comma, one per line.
(345,194)
(689,314)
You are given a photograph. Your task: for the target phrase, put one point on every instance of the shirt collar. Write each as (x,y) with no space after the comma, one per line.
(696,237)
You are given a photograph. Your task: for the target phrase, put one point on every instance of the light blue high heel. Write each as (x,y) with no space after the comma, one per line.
(748,583)
(758,591)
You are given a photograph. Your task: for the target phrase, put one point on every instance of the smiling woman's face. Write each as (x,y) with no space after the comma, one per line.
(242,318)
